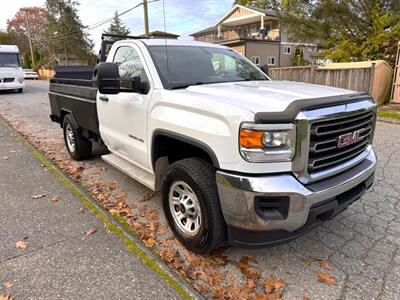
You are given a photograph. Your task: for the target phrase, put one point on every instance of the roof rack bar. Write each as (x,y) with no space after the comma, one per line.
(104,35)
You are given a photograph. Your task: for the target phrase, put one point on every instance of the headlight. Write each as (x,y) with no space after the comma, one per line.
(267,142)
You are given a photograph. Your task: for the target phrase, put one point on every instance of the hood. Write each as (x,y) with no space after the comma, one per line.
(259,96)
(7,72)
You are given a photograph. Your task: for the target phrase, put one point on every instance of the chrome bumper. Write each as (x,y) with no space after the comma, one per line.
(238,192)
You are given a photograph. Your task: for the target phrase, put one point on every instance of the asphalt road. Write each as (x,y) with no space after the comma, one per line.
(362,244)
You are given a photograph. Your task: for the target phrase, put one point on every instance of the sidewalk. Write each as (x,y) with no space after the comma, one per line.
(60,260)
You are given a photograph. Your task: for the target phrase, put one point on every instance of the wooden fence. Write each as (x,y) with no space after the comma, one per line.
(357,79)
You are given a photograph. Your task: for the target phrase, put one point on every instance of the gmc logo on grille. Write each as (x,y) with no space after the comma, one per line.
(350,138)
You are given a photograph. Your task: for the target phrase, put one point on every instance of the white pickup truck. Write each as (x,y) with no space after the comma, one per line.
(237,157)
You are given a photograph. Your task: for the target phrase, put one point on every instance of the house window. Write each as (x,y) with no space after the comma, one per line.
(271,61)
(255,60)
(288,50)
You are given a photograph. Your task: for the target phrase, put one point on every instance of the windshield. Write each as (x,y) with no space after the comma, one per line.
(9,60)
(193,65)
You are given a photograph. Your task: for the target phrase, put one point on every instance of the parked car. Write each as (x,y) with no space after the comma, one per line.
(236,156)
(31,74)
(11,75)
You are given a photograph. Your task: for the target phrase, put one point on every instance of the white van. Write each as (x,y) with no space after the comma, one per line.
(11,73)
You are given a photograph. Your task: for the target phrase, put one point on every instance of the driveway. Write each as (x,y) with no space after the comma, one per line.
(357,254)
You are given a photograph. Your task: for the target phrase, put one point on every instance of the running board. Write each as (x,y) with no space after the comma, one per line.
(131,170)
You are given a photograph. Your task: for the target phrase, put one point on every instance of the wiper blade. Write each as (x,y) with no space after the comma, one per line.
(185,85)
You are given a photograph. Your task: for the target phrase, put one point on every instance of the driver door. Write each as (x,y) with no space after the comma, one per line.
(123,117)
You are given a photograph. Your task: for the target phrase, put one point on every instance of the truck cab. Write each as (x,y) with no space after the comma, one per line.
(11,72)
(237,157)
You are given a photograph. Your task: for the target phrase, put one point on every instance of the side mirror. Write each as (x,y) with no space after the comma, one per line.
(108,80)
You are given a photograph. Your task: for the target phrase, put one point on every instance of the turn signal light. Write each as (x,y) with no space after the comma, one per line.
(251,138)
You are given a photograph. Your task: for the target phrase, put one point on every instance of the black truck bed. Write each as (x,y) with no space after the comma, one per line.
(76,97)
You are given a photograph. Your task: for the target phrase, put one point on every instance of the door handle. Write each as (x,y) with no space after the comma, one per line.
(103,98)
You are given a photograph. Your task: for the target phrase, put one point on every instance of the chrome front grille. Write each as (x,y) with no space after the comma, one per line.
(318,155)
(324,151)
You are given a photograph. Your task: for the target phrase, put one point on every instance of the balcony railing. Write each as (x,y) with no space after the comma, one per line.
(242,33)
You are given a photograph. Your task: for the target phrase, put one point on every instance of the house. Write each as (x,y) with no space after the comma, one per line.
(257,34)
(161,35)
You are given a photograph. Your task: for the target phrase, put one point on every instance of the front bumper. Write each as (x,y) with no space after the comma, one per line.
(12,85)
(288,208)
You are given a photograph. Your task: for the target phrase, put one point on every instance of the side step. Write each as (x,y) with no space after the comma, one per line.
(131,170)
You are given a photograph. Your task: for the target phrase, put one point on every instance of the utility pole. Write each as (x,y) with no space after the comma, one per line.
(29,36)
(146,18)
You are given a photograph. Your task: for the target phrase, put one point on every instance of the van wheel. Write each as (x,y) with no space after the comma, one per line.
(20,91)
(78,147)
(191,205)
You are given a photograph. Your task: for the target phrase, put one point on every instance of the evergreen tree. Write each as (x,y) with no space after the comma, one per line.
(67,35)
(298,58)
(117,27)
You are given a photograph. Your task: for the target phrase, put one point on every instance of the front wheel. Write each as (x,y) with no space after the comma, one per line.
(20,91)
(79,148)
(191,205)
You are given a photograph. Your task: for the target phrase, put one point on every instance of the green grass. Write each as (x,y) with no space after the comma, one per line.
(389,114)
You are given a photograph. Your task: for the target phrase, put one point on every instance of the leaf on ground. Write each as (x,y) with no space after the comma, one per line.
(22,244)
(112,185)
(8,284)
(325,264)
(90,231)
(273,285)
(56,198)
(82,210)
(243,263)
(6,297)
(150,242)
(308,261)
(38,196)
(306,297)
(326,278)
(120,197)
(137,225)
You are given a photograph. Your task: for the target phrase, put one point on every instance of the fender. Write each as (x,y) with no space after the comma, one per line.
(183,138)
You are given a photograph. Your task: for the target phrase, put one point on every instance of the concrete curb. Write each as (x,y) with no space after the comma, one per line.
(116,225)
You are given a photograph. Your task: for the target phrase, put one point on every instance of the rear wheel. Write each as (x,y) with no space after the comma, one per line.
(20,90)
(78,147)
(191,205)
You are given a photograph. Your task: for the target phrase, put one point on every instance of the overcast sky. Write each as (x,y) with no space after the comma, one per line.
(183,17)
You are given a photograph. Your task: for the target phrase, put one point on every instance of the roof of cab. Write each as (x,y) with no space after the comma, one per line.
(173,42)
(9,48)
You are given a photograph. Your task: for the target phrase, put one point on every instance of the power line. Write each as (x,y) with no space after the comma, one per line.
(101,23)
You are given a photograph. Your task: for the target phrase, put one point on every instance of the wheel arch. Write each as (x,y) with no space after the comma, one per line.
(161,137)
